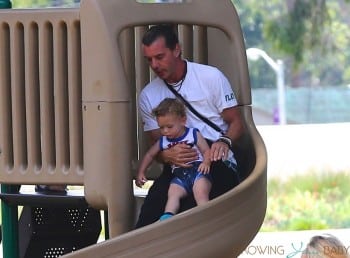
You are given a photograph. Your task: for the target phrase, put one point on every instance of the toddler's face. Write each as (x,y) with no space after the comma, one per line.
(171,126)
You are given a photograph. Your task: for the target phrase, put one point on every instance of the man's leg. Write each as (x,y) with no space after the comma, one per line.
(224,179)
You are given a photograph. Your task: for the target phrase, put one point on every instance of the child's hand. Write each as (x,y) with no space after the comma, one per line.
(204,168)
(140,180)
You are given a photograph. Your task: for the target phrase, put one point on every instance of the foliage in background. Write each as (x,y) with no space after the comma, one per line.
(311,201)
(43,3)
(310,36)
(299,29)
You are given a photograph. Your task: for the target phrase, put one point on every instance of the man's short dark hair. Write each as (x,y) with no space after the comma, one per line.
(161,30)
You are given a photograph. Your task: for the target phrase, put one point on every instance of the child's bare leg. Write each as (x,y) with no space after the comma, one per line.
(201,190)
(175,193)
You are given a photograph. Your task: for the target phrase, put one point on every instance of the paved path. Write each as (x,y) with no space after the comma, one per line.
(294,149)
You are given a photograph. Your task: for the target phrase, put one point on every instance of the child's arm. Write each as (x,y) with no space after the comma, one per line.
(204,148)
(145,163)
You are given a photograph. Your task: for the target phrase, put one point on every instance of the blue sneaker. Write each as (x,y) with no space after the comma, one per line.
(165,216)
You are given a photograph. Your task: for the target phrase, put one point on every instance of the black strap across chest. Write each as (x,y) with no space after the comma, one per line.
(190,107)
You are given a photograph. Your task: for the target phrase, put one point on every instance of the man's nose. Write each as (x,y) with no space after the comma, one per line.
(154,64)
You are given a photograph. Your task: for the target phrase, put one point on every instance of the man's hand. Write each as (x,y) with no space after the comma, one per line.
(179,155)
(218,151)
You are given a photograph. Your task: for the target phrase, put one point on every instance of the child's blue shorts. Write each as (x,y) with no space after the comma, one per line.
(185,177)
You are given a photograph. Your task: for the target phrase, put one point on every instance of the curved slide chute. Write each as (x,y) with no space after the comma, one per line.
(209,32)
(88,61)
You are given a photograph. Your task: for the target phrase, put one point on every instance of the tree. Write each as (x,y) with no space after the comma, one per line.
(310,35)
(299,29)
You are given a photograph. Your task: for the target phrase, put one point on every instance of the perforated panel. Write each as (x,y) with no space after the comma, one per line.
(52,232)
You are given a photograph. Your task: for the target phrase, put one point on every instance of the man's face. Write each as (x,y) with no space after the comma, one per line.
(160,58)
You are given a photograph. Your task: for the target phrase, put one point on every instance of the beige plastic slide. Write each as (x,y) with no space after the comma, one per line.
(69,81)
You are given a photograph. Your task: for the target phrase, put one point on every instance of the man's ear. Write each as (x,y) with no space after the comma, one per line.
(177,50)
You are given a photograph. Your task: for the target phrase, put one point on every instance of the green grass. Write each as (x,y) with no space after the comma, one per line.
(311,201)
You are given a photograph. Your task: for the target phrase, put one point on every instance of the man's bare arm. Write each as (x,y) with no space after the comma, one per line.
(232,117)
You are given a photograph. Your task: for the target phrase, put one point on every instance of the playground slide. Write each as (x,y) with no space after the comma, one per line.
(90,59)
(222,228)
(225,226)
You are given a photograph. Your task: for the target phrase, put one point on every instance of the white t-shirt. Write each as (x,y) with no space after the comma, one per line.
(204,87)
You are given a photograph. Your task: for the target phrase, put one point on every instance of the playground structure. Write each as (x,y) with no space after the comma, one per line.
(69,80)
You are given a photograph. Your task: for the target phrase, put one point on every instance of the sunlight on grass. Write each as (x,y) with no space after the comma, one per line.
(310,201)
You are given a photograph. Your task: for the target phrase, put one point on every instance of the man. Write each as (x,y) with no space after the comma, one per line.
(210,93)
